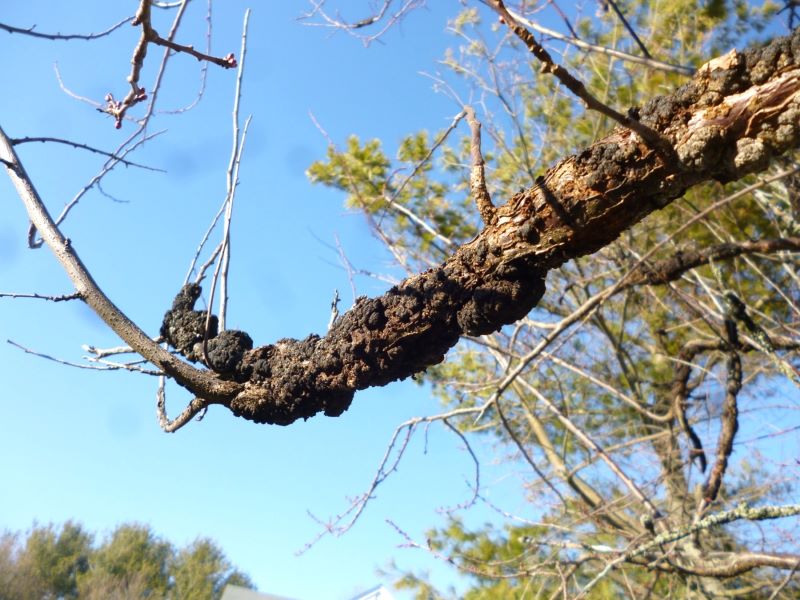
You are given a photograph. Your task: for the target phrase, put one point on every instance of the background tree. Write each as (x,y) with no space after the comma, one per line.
(51,562)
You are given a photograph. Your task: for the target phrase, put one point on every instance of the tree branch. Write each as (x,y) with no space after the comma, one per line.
(204,383)
(728,121)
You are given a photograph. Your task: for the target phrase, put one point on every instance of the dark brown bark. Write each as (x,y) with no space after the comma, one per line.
(738,112)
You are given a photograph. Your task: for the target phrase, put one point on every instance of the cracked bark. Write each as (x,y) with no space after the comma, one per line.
(738,112)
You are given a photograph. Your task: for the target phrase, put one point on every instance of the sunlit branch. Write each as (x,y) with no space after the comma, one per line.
(578,43)
(741,512)
(653,139)
(61,298)
(102,365)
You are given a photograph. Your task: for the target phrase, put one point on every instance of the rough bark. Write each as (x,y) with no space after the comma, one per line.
(738,112)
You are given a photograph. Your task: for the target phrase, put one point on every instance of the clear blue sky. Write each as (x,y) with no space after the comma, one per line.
(84,445)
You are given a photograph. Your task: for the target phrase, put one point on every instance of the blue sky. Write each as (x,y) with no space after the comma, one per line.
(78,444)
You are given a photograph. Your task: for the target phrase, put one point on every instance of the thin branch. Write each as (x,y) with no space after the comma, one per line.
(477,484)
(104,352)
(61,298)
(395,450)
(127,163)
(232,176)
(118,108)
(33,242)
(680,262)
(62,36)
(648,62)
(741,512)
(653,139)
(203,70)
(106,365)
(627,25)
(194,407)
(590,444)
(326,20)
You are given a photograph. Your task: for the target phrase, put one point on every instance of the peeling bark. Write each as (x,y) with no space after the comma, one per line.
(738,112)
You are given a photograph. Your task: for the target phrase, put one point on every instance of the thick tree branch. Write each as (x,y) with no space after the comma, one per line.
(728,121)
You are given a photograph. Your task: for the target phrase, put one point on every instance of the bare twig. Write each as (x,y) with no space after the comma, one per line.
(102,366)
(653,139)
(578,43)
(118,108)
(127,163)
(64,36)
(627,25)
(33,242)
(194,407)
(232,175)
(61,298)
(352,27)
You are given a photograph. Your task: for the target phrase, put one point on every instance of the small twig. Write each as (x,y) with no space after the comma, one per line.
(477,485)
(194,407)
(352,27)
(70,93)
(341,523)
(348,267)
(62,36)
(104,352)
(203,69)
(590,444)
(477,176)
(232,177)
(33,242)
(226,62)
(127,163)
(578,43)
(61,298)
(106,365)
(627,25)
(118,108)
